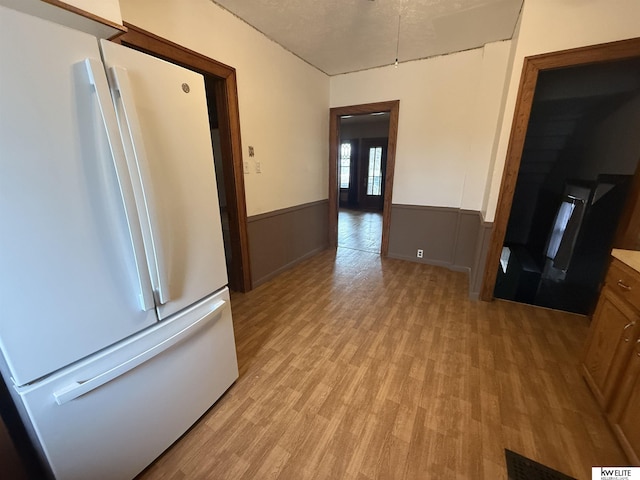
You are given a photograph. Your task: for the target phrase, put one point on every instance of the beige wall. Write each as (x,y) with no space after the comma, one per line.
(283,101)
(549,26)
(455,110)
(449,107)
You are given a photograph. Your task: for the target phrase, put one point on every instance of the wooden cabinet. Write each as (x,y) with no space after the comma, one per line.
(611,364)
(624,414)
(614,321)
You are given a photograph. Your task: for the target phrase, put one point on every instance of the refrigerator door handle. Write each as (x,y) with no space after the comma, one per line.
(97,79)
(136,156)
(79,388)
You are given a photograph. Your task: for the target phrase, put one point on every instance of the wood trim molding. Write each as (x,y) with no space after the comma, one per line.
(603,52)
(607,52)
(161,47)
(229,124)
(388,182)
(334,138)
(393,107)
(509,175)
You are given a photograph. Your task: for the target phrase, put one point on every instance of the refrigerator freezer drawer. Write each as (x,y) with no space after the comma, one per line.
(111,415)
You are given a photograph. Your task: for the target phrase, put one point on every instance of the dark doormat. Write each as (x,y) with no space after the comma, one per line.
(523,468)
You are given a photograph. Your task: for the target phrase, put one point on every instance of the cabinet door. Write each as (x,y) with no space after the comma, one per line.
(625,411)
(615,323)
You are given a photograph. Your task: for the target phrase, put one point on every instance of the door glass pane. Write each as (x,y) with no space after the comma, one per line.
(345,164)
(374,175)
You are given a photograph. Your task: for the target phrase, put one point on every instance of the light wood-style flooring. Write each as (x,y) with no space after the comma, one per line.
(358,367)
(360,230)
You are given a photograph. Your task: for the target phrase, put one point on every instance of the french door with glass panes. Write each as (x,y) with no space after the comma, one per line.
(373,161)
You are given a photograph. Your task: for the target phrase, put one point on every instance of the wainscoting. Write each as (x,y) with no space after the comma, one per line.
(450,237)
(282,238)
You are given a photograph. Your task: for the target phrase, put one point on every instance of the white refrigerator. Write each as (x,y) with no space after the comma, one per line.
(115,323)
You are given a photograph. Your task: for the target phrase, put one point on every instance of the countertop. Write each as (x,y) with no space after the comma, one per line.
(628,257)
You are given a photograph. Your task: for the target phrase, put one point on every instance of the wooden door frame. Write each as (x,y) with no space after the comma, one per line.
(226,92)
(393,107)
(606,52)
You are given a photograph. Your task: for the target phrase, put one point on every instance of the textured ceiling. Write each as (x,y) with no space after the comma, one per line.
(340,36)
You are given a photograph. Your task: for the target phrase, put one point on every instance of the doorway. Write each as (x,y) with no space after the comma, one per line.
(575,173)
(222,99)
(575,198)
(362,144)
(362,171)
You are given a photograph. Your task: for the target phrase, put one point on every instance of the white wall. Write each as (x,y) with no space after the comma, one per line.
(552,25)
(449,108)
(283,101)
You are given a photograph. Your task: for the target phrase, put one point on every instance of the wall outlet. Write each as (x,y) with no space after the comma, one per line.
(420,253)
(258,168)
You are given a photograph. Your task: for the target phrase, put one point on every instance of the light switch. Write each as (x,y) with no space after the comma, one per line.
(258,167)
(246,167)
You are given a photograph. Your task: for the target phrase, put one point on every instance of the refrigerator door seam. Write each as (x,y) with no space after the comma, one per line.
(97,79)
(136,156)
